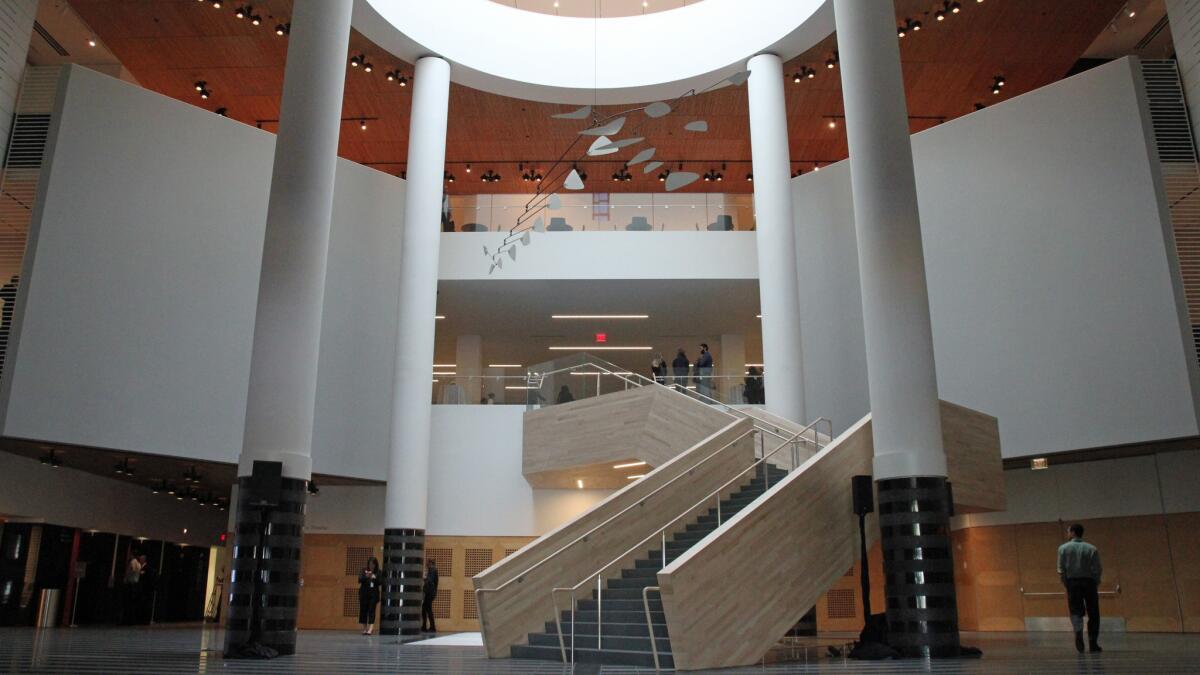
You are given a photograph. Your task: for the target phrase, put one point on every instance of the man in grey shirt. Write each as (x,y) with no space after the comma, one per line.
(1079,568)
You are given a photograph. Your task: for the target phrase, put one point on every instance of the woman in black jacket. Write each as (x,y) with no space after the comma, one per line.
(369,581)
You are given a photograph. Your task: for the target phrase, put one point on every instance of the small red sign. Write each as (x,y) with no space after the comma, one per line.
(601,337)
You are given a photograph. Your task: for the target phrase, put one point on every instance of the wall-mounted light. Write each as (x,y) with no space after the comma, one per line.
(283,29)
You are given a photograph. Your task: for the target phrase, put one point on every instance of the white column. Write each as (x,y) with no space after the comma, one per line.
(408,468)
(900,369)
(779,295)
(731,366)
(468,363)
(291,288)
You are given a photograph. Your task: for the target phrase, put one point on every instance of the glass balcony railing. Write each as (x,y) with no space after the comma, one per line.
(607,212)
(582,376)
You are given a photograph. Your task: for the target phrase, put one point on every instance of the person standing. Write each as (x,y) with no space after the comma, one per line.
(564,395)
(704,371)
(1079,568)
(131,604)
(430,589)
(368,595)
(753,391)
(679,368)
(658,368)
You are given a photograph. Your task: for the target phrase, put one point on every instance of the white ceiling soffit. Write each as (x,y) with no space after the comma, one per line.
(556,59)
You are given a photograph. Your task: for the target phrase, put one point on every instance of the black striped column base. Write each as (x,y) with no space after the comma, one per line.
(403,567)
(918,567)
(274,556)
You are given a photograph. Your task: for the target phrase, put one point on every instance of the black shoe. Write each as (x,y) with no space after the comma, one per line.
(1095,647)
(1079,642)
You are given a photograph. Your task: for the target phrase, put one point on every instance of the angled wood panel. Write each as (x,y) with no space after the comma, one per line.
(582,440)
(729,598)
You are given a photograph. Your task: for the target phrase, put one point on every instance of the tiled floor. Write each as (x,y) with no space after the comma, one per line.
(198,650)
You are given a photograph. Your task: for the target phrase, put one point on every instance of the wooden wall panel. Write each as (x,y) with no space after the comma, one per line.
(466,554)
(1183,529)
(325,581)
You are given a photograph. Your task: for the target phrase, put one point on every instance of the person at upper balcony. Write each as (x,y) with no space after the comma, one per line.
(679,368)
(704,371)
(658,368)
(565,395)
(753,392)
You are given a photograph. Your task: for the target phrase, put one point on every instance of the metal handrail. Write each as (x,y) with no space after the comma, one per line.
(598,574)
(1113,593)
(764,425)
(639,503)
(649,622)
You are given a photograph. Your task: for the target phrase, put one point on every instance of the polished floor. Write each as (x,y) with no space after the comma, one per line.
(198,650)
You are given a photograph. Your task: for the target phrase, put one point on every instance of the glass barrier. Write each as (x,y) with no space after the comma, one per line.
(607,212)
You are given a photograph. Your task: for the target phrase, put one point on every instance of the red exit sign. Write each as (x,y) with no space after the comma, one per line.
(601,337)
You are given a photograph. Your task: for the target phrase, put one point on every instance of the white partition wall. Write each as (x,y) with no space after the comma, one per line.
(1047,249)
(141,275)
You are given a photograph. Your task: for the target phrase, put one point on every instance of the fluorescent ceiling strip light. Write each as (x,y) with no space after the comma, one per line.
(579,483)
(504,365)
(640,475)
(757,365)
(436,373)
(630,464)
(513,386)
(598,372)
(596,348)
(599,316)
(439,316)
(444,365)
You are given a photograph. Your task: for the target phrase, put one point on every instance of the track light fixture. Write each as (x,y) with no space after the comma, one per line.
(750,177)
(216,4)
(397,77)
(50,459)
(358,60)
(997,84)
(909,26)
(713,175)
(622,175)
(805,73)
(832,61)
(283,29)
(312,488)
(662,175)
(223,112)
(191,476)
(362,124)
(490,176)
(447,176)
(468,167)
(202,87)
(122,468)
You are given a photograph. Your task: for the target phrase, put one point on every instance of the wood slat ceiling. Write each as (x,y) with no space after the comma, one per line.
(948,67)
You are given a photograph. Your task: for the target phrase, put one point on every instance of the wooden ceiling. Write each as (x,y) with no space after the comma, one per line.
(168,45)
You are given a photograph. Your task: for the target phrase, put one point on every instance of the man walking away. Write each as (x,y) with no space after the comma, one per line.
(1079,568)
(431,588)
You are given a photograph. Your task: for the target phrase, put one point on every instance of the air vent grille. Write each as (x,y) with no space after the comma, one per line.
(840,604)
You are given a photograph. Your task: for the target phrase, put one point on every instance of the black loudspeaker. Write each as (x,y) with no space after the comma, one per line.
(864,495)
(266,482)
(949,500)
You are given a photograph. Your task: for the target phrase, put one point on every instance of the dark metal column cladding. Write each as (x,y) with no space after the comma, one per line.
(403,567)
(918,567)
(279,560)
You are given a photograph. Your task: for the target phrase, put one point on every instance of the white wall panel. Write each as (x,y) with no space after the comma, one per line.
(1052,300)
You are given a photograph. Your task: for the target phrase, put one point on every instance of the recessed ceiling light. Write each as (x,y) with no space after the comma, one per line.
(504,365)
(1038,463)
(628,465)
(599,316)
(597,348)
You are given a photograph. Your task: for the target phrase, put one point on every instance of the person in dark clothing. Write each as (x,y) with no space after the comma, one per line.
(565,395)
(1079,568)
(369,580)
(753,392)
(8,293)
(679,369)
(658,368)
(704,371)
(431,589)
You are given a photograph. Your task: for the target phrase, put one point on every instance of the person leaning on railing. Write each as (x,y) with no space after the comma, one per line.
(679,369)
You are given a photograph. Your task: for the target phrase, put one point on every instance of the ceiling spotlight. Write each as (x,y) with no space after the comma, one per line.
(1129,11)
(200,85)
(357,60)
(816,166)
(489,176)
(832,123)
(390,76)
(901,31)
(468,167)
(191,476)
(256,20)
(223,112)
(122,468)
(997,84)
(955,8)
(622,175)
(662,176)
(909,26)
(216,4)
(91,42)
(243,12)
(447,176)
(750,178)
(916,26)
(832,61)
(367,67)
(50,459)
(362,124)
(797,172)
(283,29)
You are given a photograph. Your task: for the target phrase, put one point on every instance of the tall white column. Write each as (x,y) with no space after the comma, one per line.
(291,288)
(287,326)
(778,292)
(900,367)
(408,464)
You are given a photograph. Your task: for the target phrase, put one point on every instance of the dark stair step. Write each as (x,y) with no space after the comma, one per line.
(630,582)
(644,572)
(621,599)
(617,642)
(610,628)
(583,655)
(617,615)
